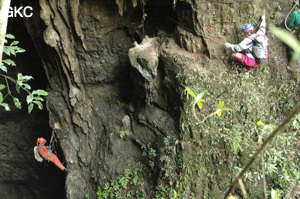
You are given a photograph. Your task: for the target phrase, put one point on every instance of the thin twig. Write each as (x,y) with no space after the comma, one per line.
(264,175)
(195,115)
(243,188)
(210,115)
(263,165)
(14,81)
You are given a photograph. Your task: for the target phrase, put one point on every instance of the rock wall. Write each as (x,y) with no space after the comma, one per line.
(101,84)
(84,47)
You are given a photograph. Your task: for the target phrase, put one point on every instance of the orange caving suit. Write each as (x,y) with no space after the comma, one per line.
(44,152)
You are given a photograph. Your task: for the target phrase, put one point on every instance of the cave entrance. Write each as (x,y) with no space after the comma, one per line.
(30,179)
(159,18)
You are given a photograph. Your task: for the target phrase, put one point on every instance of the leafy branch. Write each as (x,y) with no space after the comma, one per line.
(21,83)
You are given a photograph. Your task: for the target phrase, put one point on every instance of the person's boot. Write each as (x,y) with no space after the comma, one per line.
(67,170)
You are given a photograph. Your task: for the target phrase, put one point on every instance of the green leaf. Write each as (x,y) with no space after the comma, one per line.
(260,123)
(21,50)
(40,92)
(26,86)
(6,106)
(9,36)
(220,105)
(274,194)
(226,109)
(18,88)
(30,107)
(2,67)
(40,105)
(24,78)
(175,194)
(231,197)
(124,182)
(14,43)
(19,75)
(236,148)
(38,99)
(9,62)
(2,86)
(17,103)
(6,50)
(29,98)
(199,97)
(135,180)
(190,92)
(200,105)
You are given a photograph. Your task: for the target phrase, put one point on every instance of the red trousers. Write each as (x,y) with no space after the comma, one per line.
(43,151)
(248,62)
(53,158)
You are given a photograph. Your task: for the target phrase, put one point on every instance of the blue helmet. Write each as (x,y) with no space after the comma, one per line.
(248,28)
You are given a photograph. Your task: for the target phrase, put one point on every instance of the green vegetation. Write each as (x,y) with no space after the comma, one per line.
(198,100)
(123,134)
(131,183)
(34,97)
(289,171)
(251,99)
(124,186)
(214,149)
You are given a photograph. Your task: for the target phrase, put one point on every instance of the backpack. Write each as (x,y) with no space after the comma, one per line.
(37,155)
(260,48)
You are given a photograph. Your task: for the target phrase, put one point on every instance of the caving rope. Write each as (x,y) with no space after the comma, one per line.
(285,22)
(55,145)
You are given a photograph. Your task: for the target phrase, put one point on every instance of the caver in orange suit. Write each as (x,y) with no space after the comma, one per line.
(47,154)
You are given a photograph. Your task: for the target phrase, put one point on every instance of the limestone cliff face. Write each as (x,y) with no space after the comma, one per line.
(101,83)
(84,47)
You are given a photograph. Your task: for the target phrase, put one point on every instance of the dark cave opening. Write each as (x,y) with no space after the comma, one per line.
(157,18)
(34,179)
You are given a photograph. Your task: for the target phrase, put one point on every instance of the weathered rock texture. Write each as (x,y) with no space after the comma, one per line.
(100,83)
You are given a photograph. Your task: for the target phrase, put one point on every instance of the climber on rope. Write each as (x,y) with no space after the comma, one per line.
(46,153)
(253,50)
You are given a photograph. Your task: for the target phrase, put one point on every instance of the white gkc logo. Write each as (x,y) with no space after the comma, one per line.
(20,11)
